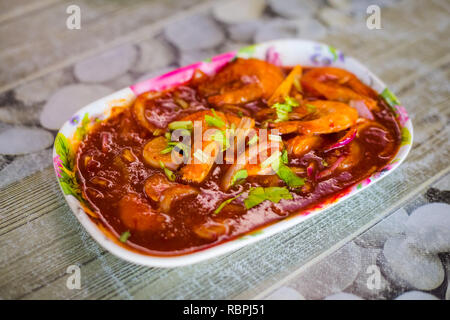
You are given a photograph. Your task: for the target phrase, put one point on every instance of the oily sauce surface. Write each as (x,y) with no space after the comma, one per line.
(119,161)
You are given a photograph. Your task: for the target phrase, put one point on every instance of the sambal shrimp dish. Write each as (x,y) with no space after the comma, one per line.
(208,161)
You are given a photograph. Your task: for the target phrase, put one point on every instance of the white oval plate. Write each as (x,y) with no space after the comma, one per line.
(281,52)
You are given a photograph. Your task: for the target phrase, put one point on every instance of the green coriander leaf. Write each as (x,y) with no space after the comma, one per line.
(124,236)
(241,174)
(288,176)
(285,173)
(255,197)
(260,194)
(275,194)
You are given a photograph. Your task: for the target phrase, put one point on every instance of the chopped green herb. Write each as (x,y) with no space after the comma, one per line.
(241,174)
(187,125)
(284,157)
(166,150)
(223,204)
(214,121)
(285,173)
(283,109)
(311,108)
(169,174)
(291,101)
(240,114)
(288,176)
(124,236)
(260,194)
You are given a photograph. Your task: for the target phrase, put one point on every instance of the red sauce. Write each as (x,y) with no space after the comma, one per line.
(113,173)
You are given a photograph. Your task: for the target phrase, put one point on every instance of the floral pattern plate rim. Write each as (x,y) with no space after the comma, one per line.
(281,52)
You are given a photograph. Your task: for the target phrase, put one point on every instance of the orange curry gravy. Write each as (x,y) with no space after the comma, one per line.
(137,201)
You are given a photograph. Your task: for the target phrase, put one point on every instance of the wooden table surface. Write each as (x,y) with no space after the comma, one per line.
(40,237)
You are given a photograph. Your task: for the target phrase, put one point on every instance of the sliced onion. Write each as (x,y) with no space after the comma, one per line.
(310,170)
(327,172)
(346,139)
(363,110)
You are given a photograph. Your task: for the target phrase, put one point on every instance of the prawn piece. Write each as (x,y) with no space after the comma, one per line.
(140,106)
(301,145)
(153,157)
(197,172)
(251,160)
(156,184)
(244,129)
(137,214)
(329,117)
(339,85)
(158,188)
(377,135)
(202,159)
(242,81)
(175,193)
